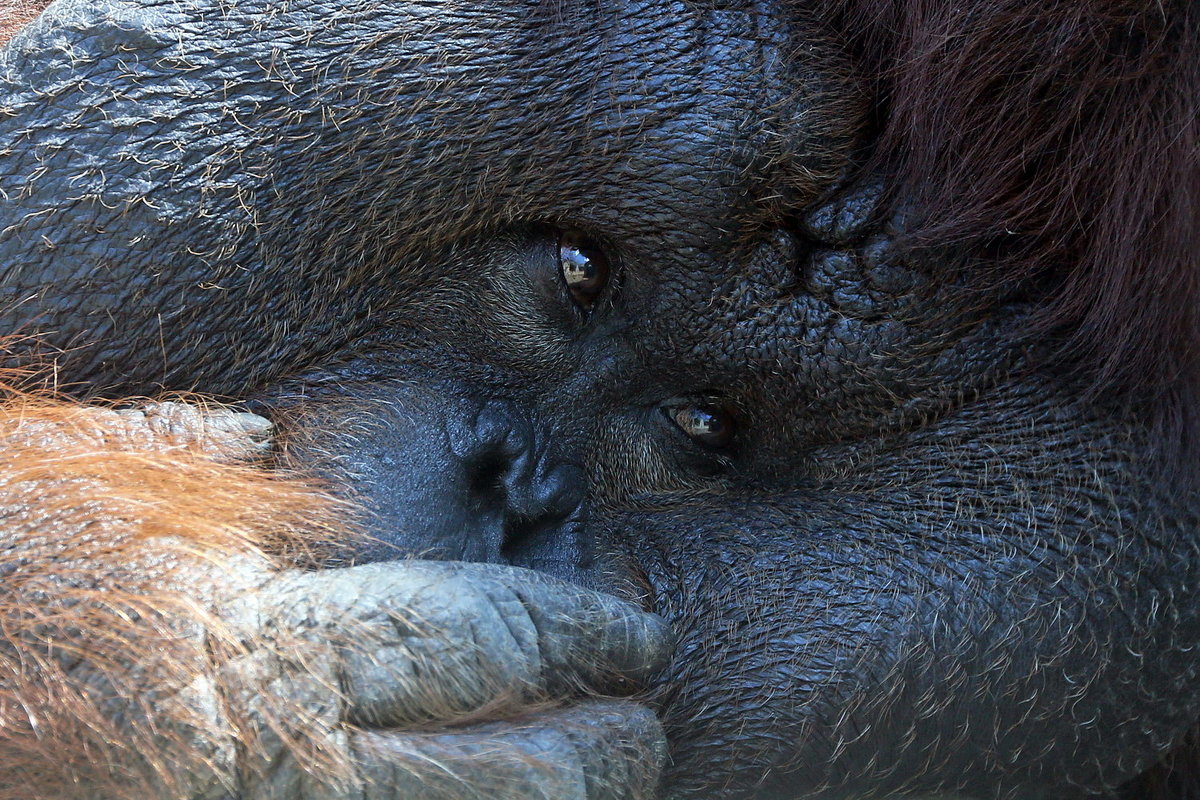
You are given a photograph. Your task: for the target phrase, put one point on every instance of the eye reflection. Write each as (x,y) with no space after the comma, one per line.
(708,425)
(585,269)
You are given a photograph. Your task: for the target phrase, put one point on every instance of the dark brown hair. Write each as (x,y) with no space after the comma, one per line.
(1062,136)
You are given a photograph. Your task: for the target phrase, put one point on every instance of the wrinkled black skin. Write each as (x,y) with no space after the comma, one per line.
(923,564)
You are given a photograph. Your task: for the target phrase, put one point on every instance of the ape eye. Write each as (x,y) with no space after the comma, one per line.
(584,268)
(707,425)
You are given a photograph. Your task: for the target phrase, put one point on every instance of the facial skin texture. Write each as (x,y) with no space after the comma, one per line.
(929,561)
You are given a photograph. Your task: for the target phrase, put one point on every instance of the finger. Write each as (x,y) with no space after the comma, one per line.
(599,750)
(583,636)
(423,641)
(223,433)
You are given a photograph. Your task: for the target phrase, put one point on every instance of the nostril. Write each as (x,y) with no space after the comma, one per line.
(500,427)
(561,491)
(529,539)
(552,503)
(487,481)
(532,501)
(519,533)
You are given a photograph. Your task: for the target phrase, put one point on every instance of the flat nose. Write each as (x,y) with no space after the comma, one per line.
(525,506)
(441,476)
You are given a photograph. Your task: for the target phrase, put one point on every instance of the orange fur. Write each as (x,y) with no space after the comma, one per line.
(16,14)
(112,538)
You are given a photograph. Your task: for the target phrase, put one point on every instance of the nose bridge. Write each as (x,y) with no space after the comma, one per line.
(606,369)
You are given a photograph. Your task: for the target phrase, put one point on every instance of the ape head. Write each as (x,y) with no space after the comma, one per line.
(689,303)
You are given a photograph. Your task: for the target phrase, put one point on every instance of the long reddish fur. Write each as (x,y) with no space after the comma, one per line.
(16,14)
(103,532)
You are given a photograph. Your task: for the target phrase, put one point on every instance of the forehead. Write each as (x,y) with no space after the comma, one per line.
(641,118)
(303,161)
(673,115)
(693,120)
